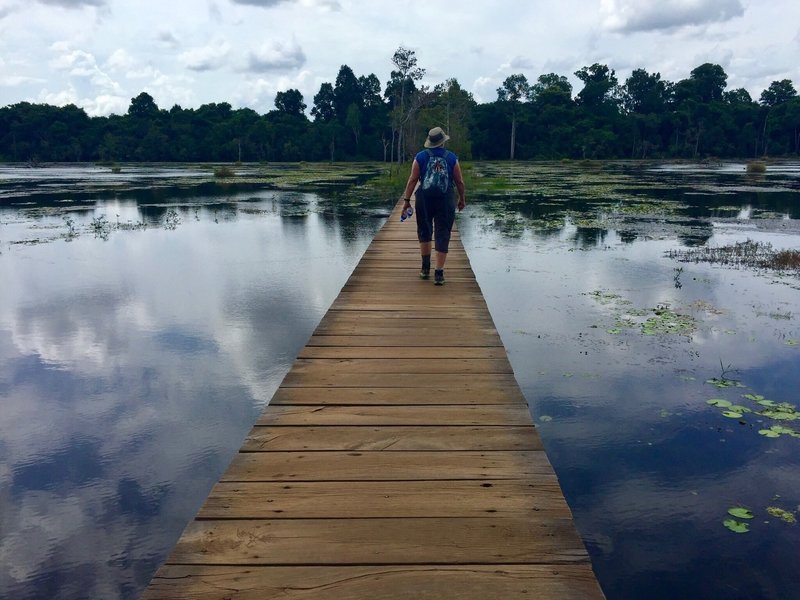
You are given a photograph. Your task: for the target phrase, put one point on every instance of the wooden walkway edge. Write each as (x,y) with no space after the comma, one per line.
(398,459)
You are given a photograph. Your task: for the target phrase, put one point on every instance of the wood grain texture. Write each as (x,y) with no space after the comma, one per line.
(398,459)
(412,582)
(493,540)
(391,438)
(396,499)
(392,396)
(385,466)
(514,415)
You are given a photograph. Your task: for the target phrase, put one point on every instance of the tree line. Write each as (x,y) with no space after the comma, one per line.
(355,118)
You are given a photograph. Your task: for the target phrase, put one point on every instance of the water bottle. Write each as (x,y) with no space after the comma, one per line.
(406,214)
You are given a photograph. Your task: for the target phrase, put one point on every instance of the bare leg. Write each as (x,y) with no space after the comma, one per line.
(425,248)
(440,258)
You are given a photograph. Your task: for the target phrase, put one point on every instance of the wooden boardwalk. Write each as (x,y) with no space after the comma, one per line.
(398,459)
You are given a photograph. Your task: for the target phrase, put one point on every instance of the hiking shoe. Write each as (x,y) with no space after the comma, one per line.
(438,277)
(425,273)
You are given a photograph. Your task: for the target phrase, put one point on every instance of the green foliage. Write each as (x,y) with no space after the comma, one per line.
(645,117)
(223,172)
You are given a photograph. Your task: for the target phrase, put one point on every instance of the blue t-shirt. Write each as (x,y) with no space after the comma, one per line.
(422,161)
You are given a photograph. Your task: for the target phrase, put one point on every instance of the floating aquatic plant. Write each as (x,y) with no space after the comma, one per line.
(740,512)
(783,515)
(667,321)
(736,526)
(720,403)
(661,320)
(723,382)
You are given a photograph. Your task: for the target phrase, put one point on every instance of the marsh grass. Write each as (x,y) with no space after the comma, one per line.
(747,254)
(223,172)
(756,167)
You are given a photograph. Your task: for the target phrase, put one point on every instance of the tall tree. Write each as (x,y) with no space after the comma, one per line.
(324,109)
(370,90)
(600,86)
(290,102)
(401,85)
(551,83)
(346,91)
(514,91)
(645,93)
(710,81)
(778,92)
(143,106)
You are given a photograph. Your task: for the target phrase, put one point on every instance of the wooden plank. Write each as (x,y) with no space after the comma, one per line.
(322,366)
(406,380)
(391,438)
(398,459)
(499,415)
(391,396)
(385,466)
(464,314)
(494,540)
(437,352)
(412,339)
(435,329)
(417,582)
(395,499)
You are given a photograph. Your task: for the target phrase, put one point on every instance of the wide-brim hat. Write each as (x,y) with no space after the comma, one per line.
(436,138)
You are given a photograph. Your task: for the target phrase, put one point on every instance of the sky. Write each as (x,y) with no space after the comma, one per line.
(98,54)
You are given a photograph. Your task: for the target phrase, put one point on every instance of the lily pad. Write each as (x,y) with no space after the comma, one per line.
(736,526)
(753,397)
(724,383)
(780,429)
(719,402)
(740,409)
(740,512)
(769,433)
(793,342)
(545,418)
(731,414)
(780,415)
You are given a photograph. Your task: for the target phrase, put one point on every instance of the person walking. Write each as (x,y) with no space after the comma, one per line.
(438,173)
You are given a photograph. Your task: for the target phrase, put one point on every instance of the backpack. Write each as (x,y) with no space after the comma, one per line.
(436,180)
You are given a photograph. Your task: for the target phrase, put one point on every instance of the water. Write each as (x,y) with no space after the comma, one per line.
(647,466)
(134,361)
(136,350)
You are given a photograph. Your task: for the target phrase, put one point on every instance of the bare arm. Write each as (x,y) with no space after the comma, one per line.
(458,178)
(413,178)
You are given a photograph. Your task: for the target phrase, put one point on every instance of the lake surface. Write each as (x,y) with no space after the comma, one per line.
(146,320)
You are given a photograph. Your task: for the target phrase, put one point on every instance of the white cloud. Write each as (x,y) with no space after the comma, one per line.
(120,60)
(106,104)
(168,38)
(76,62)
(6,9)
(628,16)
(276,56)
(521,62)
(206,58)
(73,3)
(322,4)
(15,80)
(62,98)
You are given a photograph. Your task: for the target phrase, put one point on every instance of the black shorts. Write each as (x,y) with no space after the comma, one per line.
(435,218)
